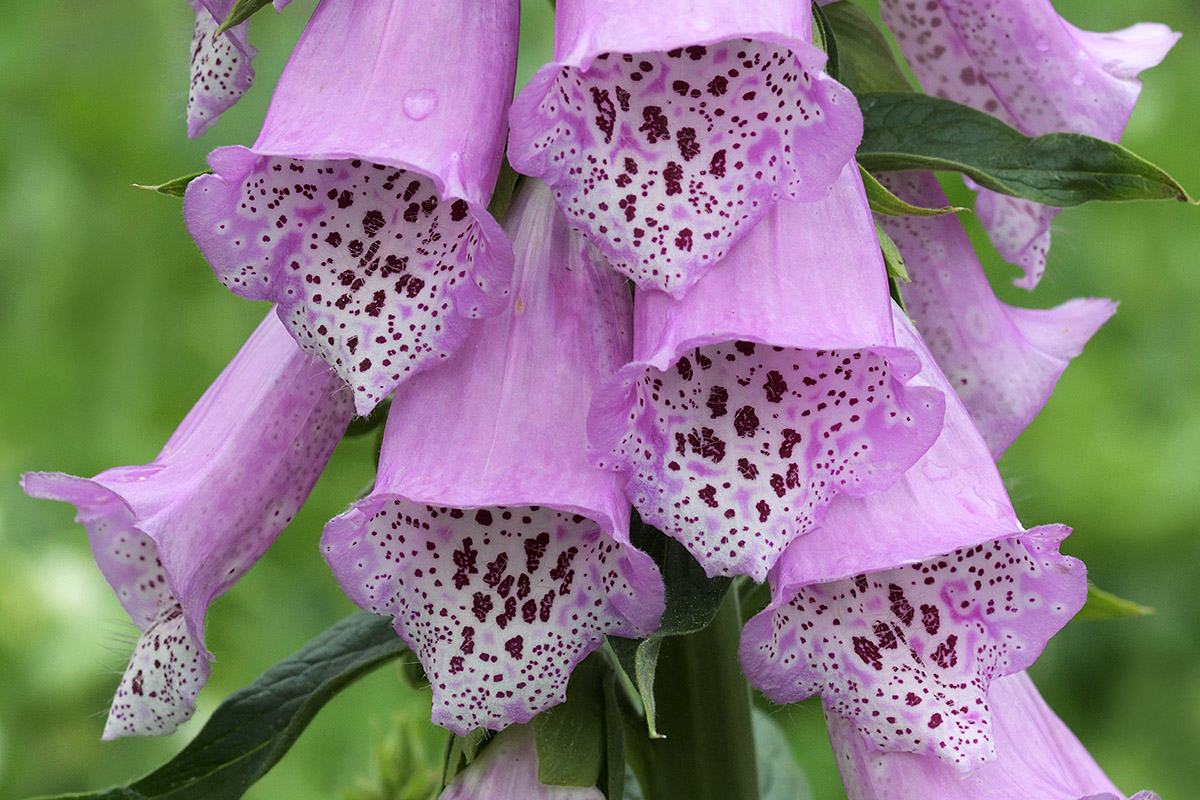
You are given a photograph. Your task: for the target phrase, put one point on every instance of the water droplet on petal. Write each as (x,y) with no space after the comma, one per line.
(1042,44)
(419,103)
(1077,79)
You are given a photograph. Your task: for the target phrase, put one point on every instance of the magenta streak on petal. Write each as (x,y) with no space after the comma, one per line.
(172,535)
(1002,361)
(666,138)
(360,210)
(502,554)
(1021,62)
(771,387)
(904,605)
(1037,756)
(220,66)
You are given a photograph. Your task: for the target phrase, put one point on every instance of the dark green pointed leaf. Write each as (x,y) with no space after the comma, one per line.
(882,201)
(891,256)
(865,59)
(692,600)
(905,131)
(175,187)
(614,736)
(1105,605)
(571,738)
(255,726)
(461,751)
(242,11)
(824,38)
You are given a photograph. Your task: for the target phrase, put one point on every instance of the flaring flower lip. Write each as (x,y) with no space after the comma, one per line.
(172,535)
(501,553)
(1024,64)
(817,327)
(1036,756)
(668,130)
(900,607)
(361,208)
(1002,361)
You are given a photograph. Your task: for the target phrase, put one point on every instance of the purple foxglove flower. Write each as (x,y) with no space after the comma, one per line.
(1021,62)
(501,552)
(902,607)
(172,535)
(361,209)
(1002,361)
(1037,757)
(508,770)
(221,70)
(773,386)
(668,129)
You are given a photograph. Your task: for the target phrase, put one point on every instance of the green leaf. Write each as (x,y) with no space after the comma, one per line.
(692,600)
(571,737)
(779,776)
(461,751)
(891,256)
(241,11)
(905,131)
(363,425)
(882,201)
(1105,605)
(865,59)
(824,38)
(255,726)
(614,736)
(174,187)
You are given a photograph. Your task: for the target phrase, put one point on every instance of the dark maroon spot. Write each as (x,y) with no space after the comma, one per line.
(514,647)
(496,570)
(911,699)
(718,86)
(706,444)
(777,484)
(458,210)
(793,476)
(696,52)
(654,124)
(790,439)
(686,139)
(681,88)
(606,113)
(364,365)
(372,222)
(334,239)
(481,604)
(745,421)
(930,619)
(684,367)
(684,240)
(529,611)
(483,516)
(764,510)
(716,167)
(866,650)
(748,471)
(345,199)
(883,632)
(709,495)
(631,166)
(935,720)
(775,386)
(623,98)
(352,344)
(745,348)
(673,177)
(945,656)
(414,287)
(717,398)
(900,607)
(535,548)
(456,665)
(545,606)
(375,307)
(411,190)
(412,213)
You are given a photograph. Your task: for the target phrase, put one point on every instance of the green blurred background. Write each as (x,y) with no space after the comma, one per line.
(113,325)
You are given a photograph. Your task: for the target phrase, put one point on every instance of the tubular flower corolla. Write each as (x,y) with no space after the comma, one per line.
(361,208)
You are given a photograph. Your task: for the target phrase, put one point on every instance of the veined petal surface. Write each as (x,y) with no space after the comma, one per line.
(668,130)
(501,553)
(172,535)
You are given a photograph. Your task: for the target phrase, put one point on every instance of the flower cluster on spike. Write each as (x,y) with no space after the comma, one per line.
(758,396)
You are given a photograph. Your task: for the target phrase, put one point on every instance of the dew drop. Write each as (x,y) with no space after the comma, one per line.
(419,103)
(1042,44)
(1077,79)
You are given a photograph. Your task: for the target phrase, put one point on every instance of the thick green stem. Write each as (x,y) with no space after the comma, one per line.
(704,712)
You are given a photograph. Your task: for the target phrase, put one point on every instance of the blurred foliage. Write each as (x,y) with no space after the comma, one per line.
(115,325)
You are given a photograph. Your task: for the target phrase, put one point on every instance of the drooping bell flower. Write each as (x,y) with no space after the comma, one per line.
(174,534)
(667,130)
(1002,361)
(220,66)
(1021,62)
(502,554)
(773,386)
(1037,757)
(361,208)
(901,608)
(508,770)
